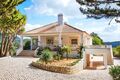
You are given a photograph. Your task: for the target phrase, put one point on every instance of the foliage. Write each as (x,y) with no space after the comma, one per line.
(114,71)
(46,56)
(74,63)
(47,47)
(67,50)
(27,45)
(39,51)
(57,57)
(116,51)
(100,8)
(60,52)
(16,44)
(96,40)
(13,50)
(11,24)
(79,50)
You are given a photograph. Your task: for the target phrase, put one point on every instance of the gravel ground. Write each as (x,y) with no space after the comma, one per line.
(18,68)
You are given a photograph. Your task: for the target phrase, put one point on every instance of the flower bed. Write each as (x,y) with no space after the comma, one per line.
(73,67)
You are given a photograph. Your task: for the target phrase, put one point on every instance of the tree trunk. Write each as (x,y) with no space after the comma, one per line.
(6,45)
(2,45)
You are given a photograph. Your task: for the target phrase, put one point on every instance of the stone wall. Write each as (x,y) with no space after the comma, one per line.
(60,69)
(102,51)
(99,50)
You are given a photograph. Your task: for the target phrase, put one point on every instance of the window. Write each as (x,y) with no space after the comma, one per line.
(74,41)
(50,41)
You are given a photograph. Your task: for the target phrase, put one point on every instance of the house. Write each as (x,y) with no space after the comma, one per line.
(58,33)
(61,33)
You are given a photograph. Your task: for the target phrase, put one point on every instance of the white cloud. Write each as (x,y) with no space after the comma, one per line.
(70,8)
(28,8)
(111,33)
(101,27)
(92,25)
(31,26)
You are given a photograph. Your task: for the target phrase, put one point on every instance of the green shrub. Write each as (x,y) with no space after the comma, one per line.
(27,45)
(47,48)
(16,44)
(60,51)
(74,63)
(116,51)
(57,57)
(39,51)
(79,50)
(96,40)
(114,71)
(46,56)
(13,50)
(67,50)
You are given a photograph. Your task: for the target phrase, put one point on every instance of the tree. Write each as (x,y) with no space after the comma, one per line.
(116,51)
(11,24)
(96,40)
(100,8)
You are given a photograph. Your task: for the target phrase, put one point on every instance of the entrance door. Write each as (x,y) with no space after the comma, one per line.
(49,41)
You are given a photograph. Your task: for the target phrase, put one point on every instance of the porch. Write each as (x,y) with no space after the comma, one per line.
(74,40)
(52,40)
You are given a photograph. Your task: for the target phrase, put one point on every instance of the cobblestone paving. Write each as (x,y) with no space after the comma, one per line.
(18,68)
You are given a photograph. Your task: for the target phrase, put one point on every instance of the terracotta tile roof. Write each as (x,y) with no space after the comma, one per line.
(40,29)
(53,28)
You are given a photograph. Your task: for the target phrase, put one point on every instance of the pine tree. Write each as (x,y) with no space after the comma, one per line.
(11,23)
(100,8)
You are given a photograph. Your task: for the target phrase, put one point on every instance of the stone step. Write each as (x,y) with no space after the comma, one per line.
(27,53)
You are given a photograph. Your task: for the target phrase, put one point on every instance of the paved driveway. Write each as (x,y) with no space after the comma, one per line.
(18,69)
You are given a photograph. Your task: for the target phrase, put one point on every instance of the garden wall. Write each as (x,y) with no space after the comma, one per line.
(60,69)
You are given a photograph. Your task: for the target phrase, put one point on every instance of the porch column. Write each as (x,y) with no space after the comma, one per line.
(84,58)
(21,42)
(105,60)
(81,39)
(59,39)
(39,40)
(31,44)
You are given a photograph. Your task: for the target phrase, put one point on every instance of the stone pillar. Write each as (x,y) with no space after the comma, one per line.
(81,38)
(105,60)
(84,58)
(59,39)
(31,44)
(39,40)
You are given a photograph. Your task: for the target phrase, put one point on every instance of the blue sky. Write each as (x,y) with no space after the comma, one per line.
(42,12)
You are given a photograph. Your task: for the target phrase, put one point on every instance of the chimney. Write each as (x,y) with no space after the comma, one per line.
(60,19)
